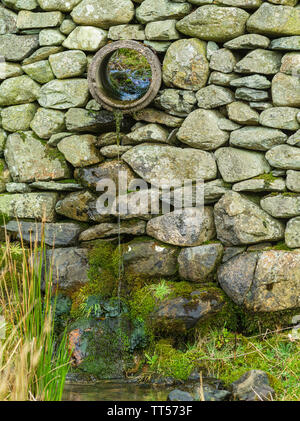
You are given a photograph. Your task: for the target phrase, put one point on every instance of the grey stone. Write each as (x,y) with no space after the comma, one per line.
(290,64)
(21,4)
(237,164)
(199,264)
(47,122)
(257,138)
(214,190)
(17,188)
(186,228)
(202,23)
(248,94)
(51,37)
(239,221)
(162,30)
(248,42)
(60,234)
(281,205)
(185,65)
(56,186)
(223,79)
(280,118)
(114,151)
(67,26)
(9,70)
(293,180)
(86,38)
(29,159)
(62,94)
(8,21)
(260,185)
(201,129)
(68,64)
(223,60)
(151,115)
(286,43)
(103,13)
(147,133)
(75,205)
(18,90)
(253,386)
(39,71)
(30,20)
(292,233)
(39,206)
(253,81)
(213,96)
(176,101)
(158,46)
(80,150)
(42,54)
(242,113)
(61,5)
(128,31)
(170,166)
(286,90)
(17,47)
(177,395)
(104,230)
(156,10)
(18,117)
(284,157)
(260,61)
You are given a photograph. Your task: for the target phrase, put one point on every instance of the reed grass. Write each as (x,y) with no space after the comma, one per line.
(33,362)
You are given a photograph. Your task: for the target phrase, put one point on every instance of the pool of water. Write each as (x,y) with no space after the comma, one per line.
(109,390)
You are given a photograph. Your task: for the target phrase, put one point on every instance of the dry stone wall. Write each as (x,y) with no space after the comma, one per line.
(228,112)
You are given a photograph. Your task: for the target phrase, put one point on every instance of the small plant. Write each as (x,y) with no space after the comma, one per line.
(161,290)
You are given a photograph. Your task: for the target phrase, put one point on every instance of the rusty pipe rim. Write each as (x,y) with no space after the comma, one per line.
(97,83)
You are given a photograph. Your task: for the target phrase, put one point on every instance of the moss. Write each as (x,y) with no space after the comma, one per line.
(68,181)
(266,177)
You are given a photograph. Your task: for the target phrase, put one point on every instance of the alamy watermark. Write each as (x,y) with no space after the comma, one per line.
(2,327)
(136,197)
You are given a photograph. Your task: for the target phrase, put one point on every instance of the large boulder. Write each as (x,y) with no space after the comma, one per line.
(186,228)
(240,221)
(263,281)
(185,65)
(30,159)
(170,166)
(214,23)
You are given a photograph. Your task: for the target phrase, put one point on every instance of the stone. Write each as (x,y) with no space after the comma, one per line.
(211,48)
(63,185)
(214,96)
(8,21)
(186,312)
(162,30)
(280,118)
(260,61)
(75,205)
(257,185)
(59,234)
(39,71)
(242,113)
(149,258)
(128,31)
(214,190)
(253,81)
(151,115)
(81,120)
(18,90)
(262,281)
(86,38)
(176,101)
(39,206)
(147,133)
(21,4)
(186,228)
(18,117)
(103,13)
(286,43)
(3,137)
(260,106)
(290,64)
(202,23)
(68,64)
(51,37)
(240,221)
(158,46)
(63,94)
(248,94)
(199,264)
(69,267)
(17,47)
(201,129)
(57,137)
(292,233)
(90,176)
(30,20)
(252,386)
(17,188)
(157,10)
(248,42)
(80,150)
(281,205)
(244,4)
(104,230)
(257,138)
(185,65)
(275,20)
(286,90)
(47,122)
(178,395)
(114,151)
(169,165)
(222,79)
(223,60)
(61,5)
(293,180)
(9,70)
(42,54)
(29,159)
(237,164)
(67,26)
(284,157)
(4,175)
